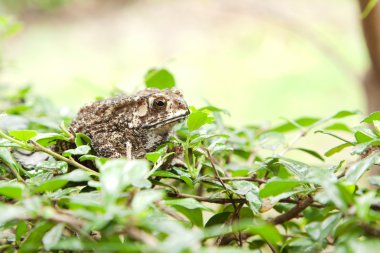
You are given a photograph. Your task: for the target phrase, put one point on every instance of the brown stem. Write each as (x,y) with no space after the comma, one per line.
(292,213)
(169,211)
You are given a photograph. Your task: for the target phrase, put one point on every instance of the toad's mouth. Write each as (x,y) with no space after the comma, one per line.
(165,122)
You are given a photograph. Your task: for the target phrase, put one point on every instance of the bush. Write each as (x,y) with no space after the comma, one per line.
(237,190)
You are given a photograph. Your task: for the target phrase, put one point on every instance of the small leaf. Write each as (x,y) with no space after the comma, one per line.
(21,230)
(188,203)
(266,231)
(301,122)
(338,127)
(82,139)
(81,150)
(12,190)
(364,135)
(311,152)
(376,125)
(271,140)
(343,114)
(357,170)
(196,119)
(53,165)
(165,174)
(373,116)
(33,241)
(154,156)
(334,135)
(277,186)
(50,185)
(337,149)
(218,218)
(87,158)
(77,175)
(22,135)
(47,139)
(159,78)
(51,238)
(7,158)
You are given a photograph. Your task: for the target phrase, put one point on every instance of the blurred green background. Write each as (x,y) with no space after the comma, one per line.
(260,60)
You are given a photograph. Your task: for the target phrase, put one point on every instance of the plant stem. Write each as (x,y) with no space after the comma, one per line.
(38,147)
(20,143)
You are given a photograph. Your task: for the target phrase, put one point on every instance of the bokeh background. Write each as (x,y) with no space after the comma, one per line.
(260,60)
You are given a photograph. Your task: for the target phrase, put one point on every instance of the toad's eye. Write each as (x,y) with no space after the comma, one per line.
(159,103)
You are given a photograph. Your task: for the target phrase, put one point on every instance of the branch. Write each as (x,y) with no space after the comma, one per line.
(169,211)
(292,213)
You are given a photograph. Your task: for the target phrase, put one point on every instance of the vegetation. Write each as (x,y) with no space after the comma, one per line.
(236,189)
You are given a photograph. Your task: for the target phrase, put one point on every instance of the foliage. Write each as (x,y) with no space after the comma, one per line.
(236,189)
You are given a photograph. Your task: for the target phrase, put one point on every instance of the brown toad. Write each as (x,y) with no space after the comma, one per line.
(131,125)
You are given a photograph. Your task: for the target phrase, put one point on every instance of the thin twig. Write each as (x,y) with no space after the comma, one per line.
(227,191)
(169,211)
(288,147)
(292,213)
(228,201)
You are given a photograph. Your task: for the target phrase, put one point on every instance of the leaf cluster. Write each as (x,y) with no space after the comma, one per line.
(210,188)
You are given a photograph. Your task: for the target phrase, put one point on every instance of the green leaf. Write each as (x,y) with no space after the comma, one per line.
(364,135)
(357,170)
(370,118)
(116,175)
(165,174)
(189,207)
(33,242)
(338,127)
(376,125)
(277,186)
(266,231)
(82,139)
(154,156)
(81,150)
(363,205)
(337,149)
(271,140)
(77,175)
(196,119)
(7,158)
(371,4)
(50,185)
(187,180)
(188,203)
(87,158)
(343,114)
(22,135)
(22,228)
(218,218)
(47,139)
(12,190)
(51,238)
(302,170)
(143,199)
(334,135)
(366,245)
(159,78)
(301,122)
(195,216)
(311,152)
(60,166)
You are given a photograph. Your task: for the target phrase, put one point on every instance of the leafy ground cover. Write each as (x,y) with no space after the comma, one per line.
(236,191)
